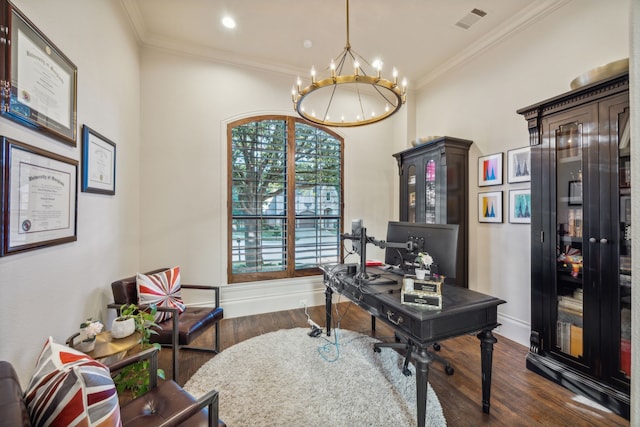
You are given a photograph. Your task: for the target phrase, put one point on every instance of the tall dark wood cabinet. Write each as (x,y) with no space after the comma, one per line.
(581,241)
(434,179)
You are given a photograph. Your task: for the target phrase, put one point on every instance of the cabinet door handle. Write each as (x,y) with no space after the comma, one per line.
(592,239)
(604,241)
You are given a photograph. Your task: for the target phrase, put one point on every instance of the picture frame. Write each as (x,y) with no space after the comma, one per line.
(39,198)
(519,165)
(98,163)
(490,170)
(34,62)
(520,206)
(490,206)
(575,193)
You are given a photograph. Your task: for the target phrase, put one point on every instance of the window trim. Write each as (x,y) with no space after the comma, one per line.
(290,271)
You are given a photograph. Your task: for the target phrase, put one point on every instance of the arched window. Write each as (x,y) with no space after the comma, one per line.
(285,198)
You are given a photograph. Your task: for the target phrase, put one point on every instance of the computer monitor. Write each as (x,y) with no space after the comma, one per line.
(438,240)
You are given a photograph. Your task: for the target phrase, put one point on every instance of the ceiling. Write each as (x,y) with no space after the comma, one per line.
(418,37)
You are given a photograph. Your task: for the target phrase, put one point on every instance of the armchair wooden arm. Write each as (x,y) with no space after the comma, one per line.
(166,404)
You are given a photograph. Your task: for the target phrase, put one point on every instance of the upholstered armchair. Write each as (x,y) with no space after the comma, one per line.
(70,388)
(180,328)
(165,404)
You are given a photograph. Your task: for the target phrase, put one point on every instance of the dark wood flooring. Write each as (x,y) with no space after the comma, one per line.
(518,396)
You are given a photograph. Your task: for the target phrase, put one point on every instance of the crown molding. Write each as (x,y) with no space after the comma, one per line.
(530,15)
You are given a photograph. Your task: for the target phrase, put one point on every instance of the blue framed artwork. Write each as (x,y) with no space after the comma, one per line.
(490,170)
(520,206)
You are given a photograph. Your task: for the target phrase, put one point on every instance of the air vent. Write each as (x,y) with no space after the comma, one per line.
(471,18)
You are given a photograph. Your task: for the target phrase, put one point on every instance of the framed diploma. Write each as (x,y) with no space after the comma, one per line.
(39,198)
(98,163)
(38,82)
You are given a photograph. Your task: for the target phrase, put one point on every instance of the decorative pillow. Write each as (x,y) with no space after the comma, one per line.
(161,289)
(69,388)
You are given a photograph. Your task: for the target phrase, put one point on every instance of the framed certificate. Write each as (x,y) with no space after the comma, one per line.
(39,198)
(98,163)
(38,81)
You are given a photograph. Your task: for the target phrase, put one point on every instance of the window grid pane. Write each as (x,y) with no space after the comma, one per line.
(259,153)
(318,198)
(259,194)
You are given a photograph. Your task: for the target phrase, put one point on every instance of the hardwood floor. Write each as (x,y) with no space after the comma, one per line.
(518,396)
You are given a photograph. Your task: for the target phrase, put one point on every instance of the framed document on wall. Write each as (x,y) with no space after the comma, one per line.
(98,163)
(38,81)
(39,198)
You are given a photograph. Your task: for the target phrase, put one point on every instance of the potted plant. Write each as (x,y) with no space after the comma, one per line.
(88,331)
(424,261)
(135,377)
(125,324)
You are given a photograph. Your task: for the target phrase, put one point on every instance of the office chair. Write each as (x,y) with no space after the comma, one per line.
(404,343)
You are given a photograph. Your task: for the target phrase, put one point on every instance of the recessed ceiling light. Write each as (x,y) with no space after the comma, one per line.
(228,22)
(307,44)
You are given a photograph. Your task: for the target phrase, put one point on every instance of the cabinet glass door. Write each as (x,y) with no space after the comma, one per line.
(411,193)
(569,229)
(624,173)
(430,192)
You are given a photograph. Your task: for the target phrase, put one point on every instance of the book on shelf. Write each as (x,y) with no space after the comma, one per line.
(569,338)
(575,348)
(570,303)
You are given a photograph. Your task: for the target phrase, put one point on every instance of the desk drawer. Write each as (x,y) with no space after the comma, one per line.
(395,318)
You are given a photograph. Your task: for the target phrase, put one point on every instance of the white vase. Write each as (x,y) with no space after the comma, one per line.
(121,328)
(421,273)
(87,345)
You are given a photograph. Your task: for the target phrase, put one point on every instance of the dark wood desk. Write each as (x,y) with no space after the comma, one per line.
(463,311)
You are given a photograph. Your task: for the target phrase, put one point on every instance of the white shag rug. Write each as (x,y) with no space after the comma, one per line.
(286,378)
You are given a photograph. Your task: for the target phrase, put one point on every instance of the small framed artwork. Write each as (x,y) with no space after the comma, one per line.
(519,165)
(490,206)
(575,192)
(98,163)
(39,198)
(520,206)
(490,170)
(39,81)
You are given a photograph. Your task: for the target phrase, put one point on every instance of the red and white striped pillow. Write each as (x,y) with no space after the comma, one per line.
(161,289)
(70,388)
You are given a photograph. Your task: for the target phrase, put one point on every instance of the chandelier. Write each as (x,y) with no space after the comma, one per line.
(347,100)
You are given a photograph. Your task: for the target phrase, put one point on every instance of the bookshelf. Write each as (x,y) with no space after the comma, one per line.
(434,189)
(581,241)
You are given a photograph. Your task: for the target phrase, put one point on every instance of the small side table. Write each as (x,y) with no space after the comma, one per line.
(107,346)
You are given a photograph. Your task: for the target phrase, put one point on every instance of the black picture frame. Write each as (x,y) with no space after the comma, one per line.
(520,206)
(519,165)
(98,163)
(490,206)
(39,198)
(32,62)
(490,170)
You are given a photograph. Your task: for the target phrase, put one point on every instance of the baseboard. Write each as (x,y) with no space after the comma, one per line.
(514,329)
(246,299)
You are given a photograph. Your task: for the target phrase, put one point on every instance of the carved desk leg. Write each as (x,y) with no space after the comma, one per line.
(328,293)
(487,340)
(422,360)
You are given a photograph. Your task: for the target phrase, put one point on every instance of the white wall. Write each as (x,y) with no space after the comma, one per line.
(478,101)
(50,291)
(187,103)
